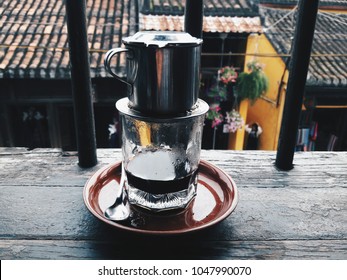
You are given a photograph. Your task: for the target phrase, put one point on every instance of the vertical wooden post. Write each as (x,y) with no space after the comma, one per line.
(81,82)
(298,69)
(193,17)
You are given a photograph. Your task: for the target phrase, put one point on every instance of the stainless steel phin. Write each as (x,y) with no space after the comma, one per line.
(162,71)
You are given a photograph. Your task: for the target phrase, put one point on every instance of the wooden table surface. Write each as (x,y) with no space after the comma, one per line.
(299,214)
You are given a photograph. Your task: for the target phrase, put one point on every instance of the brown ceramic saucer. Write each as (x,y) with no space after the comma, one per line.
(216,198)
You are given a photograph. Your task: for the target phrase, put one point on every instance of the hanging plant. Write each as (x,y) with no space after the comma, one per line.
(254,83)
(218,93)
(214,115)
(234,120)
(222,91)
(227,75)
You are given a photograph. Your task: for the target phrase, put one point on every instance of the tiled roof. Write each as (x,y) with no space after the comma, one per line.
(34,41)
(236,16)
(322,3)
(240,8)
(328,64)
(210,23)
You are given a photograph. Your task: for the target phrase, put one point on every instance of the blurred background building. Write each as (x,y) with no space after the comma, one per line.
(36,107)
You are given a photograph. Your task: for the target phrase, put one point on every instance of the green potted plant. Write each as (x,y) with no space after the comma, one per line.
(221,93)
(223,114)
(254,83)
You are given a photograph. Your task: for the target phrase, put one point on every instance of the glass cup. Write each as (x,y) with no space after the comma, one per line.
(161,156)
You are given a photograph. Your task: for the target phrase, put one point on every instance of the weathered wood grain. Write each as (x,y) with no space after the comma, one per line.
(262,214)
(248,168)
(219,250)
(300,213)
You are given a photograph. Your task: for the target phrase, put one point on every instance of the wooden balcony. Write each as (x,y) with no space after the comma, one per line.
(297,214)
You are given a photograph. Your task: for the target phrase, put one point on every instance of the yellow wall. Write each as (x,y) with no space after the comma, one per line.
(236,139)
(266,111)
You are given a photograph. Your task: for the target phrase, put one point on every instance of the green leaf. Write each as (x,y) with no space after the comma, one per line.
(252,85)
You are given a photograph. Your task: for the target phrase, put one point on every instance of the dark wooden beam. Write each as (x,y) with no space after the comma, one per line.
(81,82)
(302,44)
(193,17)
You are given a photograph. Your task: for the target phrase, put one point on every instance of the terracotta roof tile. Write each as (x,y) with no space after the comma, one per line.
(238,8)
(34,41)
(219,16)
(328,63)
(322,3)
(210,23)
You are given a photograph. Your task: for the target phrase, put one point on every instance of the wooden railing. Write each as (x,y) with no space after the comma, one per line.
(81,82)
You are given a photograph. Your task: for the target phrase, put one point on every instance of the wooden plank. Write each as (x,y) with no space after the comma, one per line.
(281,214)
(238,158)
(217,250)
(45,167)
(262,214)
